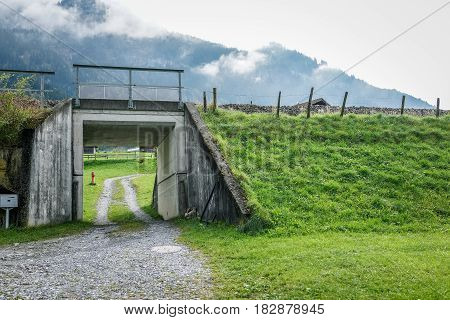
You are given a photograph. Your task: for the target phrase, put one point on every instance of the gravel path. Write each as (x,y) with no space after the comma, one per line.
(130,199)
(106,198)
(104,263)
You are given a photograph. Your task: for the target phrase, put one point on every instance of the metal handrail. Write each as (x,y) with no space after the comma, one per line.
(42,75)
(129,85)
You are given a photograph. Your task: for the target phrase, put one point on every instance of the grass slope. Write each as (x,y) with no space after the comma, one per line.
(359,173)
(357,208)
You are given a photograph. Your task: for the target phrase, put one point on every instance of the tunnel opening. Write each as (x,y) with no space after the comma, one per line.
(147,147)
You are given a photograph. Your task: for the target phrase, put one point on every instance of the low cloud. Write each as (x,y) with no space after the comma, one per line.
(51,16)
(241,62)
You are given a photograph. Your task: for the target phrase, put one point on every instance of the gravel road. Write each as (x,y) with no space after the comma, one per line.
(104,263)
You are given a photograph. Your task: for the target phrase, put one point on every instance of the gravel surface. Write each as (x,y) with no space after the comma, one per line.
(104,263)
(106,198)
(131,201)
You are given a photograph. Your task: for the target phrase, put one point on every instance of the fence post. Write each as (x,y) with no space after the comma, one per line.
(343,104)
(278,104)
(402,109)
(437,107)
(205,104)
(214,99)
(308,110)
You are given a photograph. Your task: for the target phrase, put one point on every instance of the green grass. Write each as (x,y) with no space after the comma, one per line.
(353,208)
(104,170)
(20,235)
(144,191)
(357,173)
(119,212)
(323,265)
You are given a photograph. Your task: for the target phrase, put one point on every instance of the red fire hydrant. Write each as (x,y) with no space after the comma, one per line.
(93,178)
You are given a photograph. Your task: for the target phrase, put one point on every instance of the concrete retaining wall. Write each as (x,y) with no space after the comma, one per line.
(211,189)
(296,110)
(50,184)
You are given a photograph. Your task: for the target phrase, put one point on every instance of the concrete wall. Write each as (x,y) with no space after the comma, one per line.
(212,191)
(50,184)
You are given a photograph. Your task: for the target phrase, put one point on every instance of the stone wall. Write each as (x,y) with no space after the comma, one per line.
(213,194)
(296,109)
(14,177)
(50,178)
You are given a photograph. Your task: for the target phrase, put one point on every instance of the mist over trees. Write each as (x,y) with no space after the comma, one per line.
(240,76)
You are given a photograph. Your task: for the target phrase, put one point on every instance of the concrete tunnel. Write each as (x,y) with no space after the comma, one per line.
(161,130)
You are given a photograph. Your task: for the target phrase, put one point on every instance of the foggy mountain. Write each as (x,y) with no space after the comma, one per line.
(91,32)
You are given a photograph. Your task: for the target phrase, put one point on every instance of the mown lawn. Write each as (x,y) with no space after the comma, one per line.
(323,265)
(352,208)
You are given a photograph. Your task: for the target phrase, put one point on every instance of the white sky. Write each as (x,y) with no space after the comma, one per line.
(340,32)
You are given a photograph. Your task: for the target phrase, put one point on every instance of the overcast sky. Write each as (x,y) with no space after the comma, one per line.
(340,32)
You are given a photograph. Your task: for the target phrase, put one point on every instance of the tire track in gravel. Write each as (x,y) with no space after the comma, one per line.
(104,202)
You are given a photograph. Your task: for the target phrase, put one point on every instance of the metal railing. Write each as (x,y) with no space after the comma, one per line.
(127,90)
(41,90)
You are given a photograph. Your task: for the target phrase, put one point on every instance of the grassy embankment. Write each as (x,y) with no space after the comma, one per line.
(353,208)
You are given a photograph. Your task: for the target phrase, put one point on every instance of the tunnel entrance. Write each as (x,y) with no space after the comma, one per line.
(130,110)
(160,131)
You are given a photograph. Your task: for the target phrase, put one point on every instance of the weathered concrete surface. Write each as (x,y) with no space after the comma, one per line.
(50,186)
(105,104)
(212,190)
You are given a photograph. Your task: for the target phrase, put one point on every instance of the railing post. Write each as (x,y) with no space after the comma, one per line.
(180,99)
(130,90)
(42,97)
(77,87)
